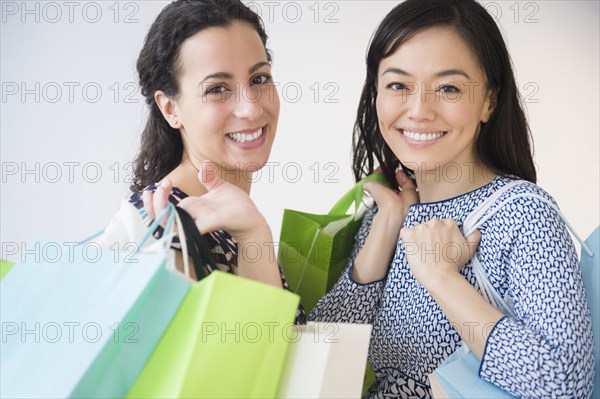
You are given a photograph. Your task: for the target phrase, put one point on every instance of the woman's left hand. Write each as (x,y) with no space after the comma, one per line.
(436,249)
(224,207)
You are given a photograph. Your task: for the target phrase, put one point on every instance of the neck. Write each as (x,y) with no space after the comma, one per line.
(450,181)
(185,177)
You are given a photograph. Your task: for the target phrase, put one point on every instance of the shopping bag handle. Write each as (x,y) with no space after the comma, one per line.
(485,211)
(167,238)
(355,195)
(199,247)
(170,208)
(481,214)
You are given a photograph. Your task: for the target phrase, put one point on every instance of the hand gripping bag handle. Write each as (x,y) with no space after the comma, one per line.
(355,195)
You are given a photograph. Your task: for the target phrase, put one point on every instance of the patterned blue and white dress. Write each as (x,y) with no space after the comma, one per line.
(546,351)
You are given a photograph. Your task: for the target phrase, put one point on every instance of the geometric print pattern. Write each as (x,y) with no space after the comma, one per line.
(545,351)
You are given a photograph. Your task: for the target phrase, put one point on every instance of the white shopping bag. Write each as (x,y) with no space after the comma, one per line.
(326,360)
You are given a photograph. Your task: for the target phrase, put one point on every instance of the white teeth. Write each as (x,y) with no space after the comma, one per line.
(422,136)
(246,137)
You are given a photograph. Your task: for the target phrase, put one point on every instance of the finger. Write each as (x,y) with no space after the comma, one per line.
(404,182)
(406,234)
(472,243)
(208,175)
(376,190)
(203,214)
(161,198)
(148,204)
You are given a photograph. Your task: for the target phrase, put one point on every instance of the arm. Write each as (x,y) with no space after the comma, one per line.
(374,258)
(356,295)
(436,252)
(547,350)
(350,301)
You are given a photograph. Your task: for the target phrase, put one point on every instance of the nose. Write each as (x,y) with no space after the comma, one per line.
(249,105)
(421,105)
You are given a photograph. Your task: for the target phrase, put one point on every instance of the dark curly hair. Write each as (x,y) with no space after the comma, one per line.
(503,144)
(158,66)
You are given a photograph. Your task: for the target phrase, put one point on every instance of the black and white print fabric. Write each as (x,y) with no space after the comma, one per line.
(545,351)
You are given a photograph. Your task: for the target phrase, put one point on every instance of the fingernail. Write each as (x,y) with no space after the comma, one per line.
(164,183)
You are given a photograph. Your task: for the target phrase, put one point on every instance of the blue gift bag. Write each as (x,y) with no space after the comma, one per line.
(81,320)
(464,368)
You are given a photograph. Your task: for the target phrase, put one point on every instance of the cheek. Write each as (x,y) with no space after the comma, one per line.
(464,114)
(381,106)
(271,102)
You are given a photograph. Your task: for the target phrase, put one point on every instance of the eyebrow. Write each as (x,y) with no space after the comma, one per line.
(227,75)
(441,74)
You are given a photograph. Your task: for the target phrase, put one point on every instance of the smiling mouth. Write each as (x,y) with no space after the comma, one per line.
(247,137)
(423,136)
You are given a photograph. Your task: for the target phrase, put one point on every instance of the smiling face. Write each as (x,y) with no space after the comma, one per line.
(431,98)
(228,108)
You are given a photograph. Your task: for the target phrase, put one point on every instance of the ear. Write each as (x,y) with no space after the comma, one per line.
(169,108)
(489,104)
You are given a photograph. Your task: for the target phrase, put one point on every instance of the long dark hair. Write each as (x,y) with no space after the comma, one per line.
(158,66)
(503,144)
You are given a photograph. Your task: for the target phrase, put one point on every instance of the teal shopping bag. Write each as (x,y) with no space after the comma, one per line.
(81,320)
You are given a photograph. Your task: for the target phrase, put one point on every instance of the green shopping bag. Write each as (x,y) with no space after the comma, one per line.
(314,249)
(228,339)
(5,266)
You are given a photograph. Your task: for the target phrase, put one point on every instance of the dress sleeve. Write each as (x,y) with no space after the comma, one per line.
(350,301)
(546,350)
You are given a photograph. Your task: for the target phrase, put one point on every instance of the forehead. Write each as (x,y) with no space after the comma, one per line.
(222,49)
(431,50)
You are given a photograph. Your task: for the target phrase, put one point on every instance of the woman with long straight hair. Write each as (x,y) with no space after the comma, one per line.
(440,115)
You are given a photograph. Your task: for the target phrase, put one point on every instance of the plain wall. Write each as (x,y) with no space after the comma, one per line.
(71,114)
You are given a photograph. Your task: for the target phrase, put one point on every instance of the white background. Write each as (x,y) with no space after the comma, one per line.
(76,142)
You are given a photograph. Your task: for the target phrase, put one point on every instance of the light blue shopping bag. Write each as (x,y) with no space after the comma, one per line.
(81,321)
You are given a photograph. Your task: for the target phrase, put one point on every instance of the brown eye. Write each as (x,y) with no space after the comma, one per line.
(397,86)
(449,89)
(261,79)
(216,89)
